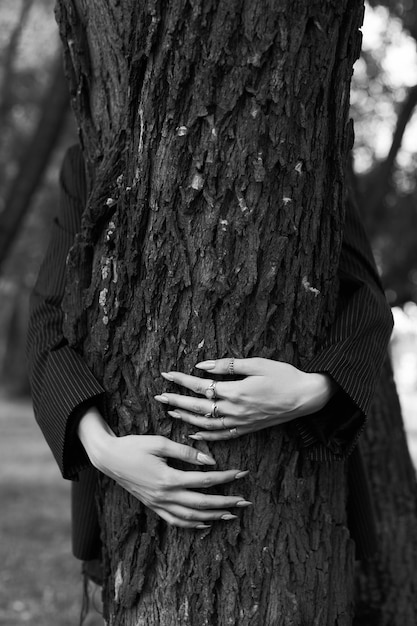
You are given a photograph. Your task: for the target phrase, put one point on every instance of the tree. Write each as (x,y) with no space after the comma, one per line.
(216,136)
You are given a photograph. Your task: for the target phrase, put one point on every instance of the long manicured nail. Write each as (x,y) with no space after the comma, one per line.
(174,414)
(162,398)
(240,474)
(196,437)
(229,516)
(203,526)
(205,458)
(244,503)
(206,365)
(168,376)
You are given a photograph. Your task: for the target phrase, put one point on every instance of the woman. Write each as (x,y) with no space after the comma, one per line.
(328,402)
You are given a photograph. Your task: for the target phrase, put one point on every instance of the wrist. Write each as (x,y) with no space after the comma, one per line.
(320,388)
(95,436)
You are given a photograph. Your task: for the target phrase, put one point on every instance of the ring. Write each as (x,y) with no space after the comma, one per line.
(211,390)
(231,367)
(214,410)
(233,432)
(223,424)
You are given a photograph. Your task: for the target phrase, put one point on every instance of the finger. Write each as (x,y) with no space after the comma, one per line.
(189,513)
(164,447)
(241,367)
(220,435)
(202,501)
(194,383)
(199,406)
(173,520)
(203,480)
(208,423)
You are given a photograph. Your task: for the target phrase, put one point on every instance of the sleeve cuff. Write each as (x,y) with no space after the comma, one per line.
(68,386)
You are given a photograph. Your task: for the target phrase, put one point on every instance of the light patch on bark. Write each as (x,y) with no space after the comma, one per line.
(105,268)
(307,286)
(198,182)
(110,231)
(242,203)
(118,581)
(102,298)
(182,131)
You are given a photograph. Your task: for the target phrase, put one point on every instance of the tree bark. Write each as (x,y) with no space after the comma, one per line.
(216,135)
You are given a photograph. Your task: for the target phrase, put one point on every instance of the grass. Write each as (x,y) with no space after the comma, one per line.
(40,581)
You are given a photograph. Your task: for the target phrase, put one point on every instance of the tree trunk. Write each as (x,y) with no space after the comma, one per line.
(216,135)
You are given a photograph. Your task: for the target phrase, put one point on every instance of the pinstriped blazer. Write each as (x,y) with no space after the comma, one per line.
(62,385)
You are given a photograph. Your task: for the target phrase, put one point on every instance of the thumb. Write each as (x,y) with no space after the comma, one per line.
(171,449)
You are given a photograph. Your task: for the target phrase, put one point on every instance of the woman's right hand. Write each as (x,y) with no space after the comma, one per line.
(139,464)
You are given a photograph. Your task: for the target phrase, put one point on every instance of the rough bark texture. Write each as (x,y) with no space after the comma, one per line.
(216,135)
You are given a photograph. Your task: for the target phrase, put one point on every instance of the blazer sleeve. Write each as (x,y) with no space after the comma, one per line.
(353,350)
(62,384)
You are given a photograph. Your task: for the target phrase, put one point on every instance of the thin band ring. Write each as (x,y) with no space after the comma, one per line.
(233,432)
(222,421)
(214,410)
(231,367)
(211,390)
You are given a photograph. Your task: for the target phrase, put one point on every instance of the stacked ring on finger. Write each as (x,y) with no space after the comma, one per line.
(231,366)
(211,390)
(214,411)
(233,432)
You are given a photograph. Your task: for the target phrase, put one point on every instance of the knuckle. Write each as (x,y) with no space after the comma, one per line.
(158,495)
(207,481)
(189,454)
(201,504)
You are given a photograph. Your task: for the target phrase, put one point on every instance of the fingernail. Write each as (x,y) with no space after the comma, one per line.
(244,503)
(206,365)
(240,474)
(229,516)
(196,437)
(203,526)
(168,376)
(162,399)
(174,414)
(205,458)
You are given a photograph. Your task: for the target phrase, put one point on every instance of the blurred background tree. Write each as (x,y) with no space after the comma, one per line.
(36,128)
(384,99)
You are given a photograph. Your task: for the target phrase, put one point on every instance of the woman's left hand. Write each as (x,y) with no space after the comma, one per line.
(268,394)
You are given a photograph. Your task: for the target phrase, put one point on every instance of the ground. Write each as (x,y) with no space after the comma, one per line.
(40,582)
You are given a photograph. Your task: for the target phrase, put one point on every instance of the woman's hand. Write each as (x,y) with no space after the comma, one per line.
(139,464)
(270,393)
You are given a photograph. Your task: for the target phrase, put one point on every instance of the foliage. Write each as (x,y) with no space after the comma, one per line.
(383,97)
